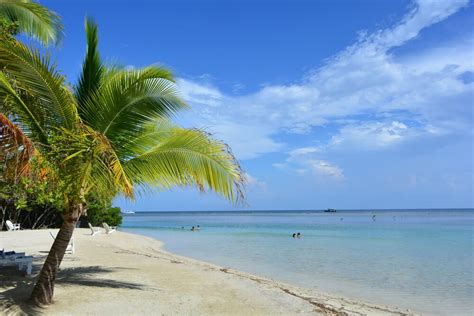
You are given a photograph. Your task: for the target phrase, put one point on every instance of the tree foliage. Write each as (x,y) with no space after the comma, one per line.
(30,18)
(100,210)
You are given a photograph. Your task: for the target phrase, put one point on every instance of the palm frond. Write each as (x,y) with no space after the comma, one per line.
(185,157)
(89,162)
(110,168)
(37,77)
(9,99)
(128,99)
(92,68)
(33,19)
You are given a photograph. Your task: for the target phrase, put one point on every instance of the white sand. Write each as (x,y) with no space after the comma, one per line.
(127,274)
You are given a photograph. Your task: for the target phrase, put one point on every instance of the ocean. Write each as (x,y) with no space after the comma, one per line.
(417,259)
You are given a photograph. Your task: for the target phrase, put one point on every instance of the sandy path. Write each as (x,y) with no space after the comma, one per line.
(127,274)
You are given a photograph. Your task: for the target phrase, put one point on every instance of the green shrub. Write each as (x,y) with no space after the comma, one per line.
(100,210)
(111,216)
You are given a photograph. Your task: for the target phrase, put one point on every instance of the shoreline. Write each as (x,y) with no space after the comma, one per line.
(168,283)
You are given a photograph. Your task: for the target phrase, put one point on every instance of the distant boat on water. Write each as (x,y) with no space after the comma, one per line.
(330,210)
(128,212)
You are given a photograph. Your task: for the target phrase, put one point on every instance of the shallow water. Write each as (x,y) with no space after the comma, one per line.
(417,259)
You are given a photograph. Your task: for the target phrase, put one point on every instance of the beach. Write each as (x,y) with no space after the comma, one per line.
(251,157)
(127,274)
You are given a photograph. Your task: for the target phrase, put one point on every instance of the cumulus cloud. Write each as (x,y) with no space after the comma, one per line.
(247,140)
(378,135)
(199,94)
(303,151)
(405,97)
(324,168)
(253,182)
(371,135)
(306,160)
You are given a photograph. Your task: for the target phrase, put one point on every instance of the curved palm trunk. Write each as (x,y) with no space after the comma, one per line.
(44,288)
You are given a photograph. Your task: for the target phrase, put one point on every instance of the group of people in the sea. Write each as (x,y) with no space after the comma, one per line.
(296,235)
(194,228)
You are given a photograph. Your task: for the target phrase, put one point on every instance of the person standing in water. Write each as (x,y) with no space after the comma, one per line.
(298,235)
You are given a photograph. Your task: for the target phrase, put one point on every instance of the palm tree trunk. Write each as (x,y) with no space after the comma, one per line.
(44,289)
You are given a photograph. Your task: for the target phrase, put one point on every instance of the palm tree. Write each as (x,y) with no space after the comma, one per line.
(110,134)
(32,19)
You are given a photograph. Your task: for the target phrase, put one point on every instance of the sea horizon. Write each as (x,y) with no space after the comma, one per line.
(338,210)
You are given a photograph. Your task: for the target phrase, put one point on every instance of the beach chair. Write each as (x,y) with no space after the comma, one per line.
(10,254)
(109,229)
(94,231)
(11,226)
(70,247)
(24,263)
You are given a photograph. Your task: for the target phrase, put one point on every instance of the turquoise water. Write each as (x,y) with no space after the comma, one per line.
(417,259)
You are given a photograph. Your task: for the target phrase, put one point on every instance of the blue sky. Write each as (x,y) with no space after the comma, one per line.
(341,104)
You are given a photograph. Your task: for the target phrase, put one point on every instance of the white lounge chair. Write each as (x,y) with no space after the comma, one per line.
(24,263)
(109,229)
(94,231)
(11,226)
(70,247)
(10,255)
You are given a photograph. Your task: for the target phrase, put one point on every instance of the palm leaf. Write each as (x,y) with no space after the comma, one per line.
(184,157)
(129,99)
(37,77)
(90,162)
(109,169)
(33,19)
(92,68)
(11,99)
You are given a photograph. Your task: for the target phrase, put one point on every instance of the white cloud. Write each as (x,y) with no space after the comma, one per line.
(247,140)
(371,135)
(379,135)
(254,182)
(324,168)
(417,95)
(305,161)
(304,151)
(197,93)
(423,14)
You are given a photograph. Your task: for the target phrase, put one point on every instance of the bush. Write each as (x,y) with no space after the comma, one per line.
(111,216)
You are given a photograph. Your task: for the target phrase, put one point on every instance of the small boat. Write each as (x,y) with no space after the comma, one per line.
(330,210)
(128,212)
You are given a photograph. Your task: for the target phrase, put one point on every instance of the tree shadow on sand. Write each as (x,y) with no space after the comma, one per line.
(84,276)
(15,288)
